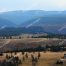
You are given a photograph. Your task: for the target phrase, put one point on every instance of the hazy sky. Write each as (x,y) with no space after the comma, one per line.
(10,5)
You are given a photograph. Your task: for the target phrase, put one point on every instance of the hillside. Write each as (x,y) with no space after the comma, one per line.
(44,21)
(5,23)
(20,16)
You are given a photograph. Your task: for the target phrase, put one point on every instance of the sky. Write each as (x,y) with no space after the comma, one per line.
(47,5)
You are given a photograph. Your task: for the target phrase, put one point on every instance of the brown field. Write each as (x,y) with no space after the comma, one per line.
(35,41)
(46,58)
(9,44)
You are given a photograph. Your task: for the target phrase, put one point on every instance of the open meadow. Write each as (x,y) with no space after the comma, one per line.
(47,58)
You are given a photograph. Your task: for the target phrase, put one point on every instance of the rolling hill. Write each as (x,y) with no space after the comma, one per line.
(35,21)
(20,17)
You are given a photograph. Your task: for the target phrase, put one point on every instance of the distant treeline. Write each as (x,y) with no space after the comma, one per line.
(28,36)
(52,36)
(55,48)
(13,31)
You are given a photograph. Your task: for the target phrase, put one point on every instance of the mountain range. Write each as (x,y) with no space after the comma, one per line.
(49,21)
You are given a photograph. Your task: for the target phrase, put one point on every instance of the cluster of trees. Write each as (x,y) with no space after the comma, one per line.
(10,37)
(56,48)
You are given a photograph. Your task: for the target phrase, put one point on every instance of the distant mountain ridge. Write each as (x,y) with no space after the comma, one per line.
(49,21)
(19,17)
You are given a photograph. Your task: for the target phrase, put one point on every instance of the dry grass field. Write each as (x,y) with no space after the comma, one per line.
(46,58)
(29,40)
(10,44)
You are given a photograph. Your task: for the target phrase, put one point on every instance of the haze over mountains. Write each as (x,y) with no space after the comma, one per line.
(49,21)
